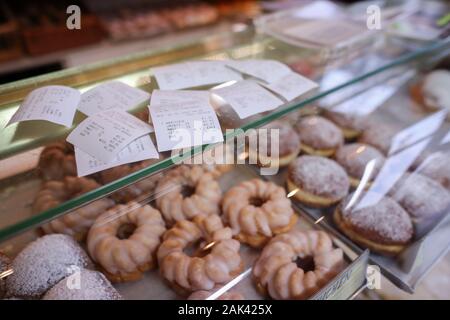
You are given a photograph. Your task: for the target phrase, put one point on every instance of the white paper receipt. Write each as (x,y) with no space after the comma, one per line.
(56,104)
(183,119)
(193,74)
(140,149)
(105,134)
(111,95)
(292,86)
(248,98)
(267,70)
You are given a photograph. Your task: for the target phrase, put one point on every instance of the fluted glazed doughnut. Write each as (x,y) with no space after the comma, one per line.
(124,240)
(77,222)
(56,161)
(277,271)
(186,192)
(216,261)
(257,210)
(141,189)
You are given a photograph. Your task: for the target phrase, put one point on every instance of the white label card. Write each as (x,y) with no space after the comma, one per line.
(111,95)
(248,98)
(56,104)
(138,150)
(266,70)
(105,134)
(193,74)
(183,119)
(292,86)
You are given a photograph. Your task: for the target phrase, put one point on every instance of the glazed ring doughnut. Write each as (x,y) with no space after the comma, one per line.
(186,192)
(257,210)
(77,222)
(124,240)
(56,161)
(295,265)
(216,261)
(137,191)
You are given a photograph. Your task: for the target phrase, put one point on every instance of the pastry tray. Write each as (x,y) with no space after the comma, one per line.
(407,269)
(346,285)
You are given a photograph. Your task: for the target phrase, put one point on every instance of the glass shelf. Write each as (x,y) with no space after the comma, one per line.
(377,64)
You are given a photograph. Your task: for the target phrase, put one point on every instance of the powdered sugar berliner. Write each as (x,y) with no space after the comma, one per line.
(215,261)
(77,222)
(186,192)
(257,210)
(124,240)
(351,125)
(281,271)
(317,181)
(436,166)
(319,136)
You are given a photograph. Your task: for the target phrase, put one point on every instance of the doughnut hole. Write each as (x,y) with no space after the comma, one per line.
(125,231)
(306,263)
(198,249)
(256,201)
(187,191)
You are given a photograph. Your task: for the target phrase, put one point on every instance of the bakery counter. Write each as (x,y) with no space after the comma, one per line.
(148,249)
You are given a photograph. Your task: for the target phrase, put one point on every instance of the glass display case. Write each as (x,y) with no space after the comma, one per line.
(377,196)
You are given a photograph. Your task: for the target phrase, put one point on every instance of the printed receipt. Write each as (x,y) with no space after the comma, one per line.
(138,150)
(183,119)
(111,95)
(292,86)
(266,70)
(105,134)
(248,98)
(56,104)
(193,74)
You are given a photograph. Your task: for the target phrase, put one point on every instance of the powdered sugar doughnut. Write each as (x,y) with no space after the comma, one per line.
(385,227)
(317,181)
(288,145)
(378,136)
(435,90)
(424,199)
(355,157)
(319,136)
(43,263)
(351,125)
(437,167)
(93,286)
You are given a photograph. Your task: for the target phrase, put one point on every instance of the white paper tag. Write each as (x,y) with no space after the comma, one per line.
(193,74)
(183,119)
(56,104)
(105,134)
(267,70)
(111,95)
(418,131)
(140,149)
(292,86)
(248,98)
(325,32)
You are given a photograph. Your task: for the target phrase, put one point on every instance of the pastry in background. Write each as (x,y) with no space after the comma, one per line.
(57,161)
(316,181)
(257,210)
(77,222)
(351,126)
(355,157)
(319,136)
(384,227)
(379,136)
(433,92)
(437,167)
